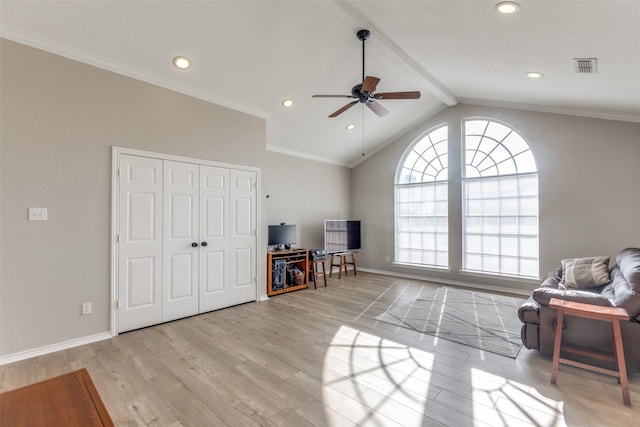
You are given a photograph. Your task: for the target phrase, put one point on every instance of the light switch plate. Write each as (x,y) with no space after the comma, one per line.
(37,214)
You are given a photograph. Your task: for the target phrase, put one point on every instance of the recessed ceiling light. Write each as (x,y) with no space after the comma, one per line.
(534,74)
(507,7)
(181,62)
(350,126)
(286,103)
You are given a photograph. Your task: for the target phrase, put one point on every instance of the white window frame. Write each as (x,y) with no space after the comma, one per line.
(428,246)
(500,233)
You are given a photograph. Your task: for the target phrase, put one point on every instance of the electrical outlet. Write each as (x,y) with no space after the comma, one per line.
(387,259)
(37,214)
(86,308)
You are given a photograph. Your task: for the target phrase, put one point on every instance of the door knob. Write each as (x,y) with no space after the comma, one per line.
(204,243)
(194,245)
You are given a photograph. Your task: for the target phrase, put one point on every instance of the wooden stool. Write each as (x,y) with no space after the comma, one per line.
(313,263)
(343,263)
(590,311)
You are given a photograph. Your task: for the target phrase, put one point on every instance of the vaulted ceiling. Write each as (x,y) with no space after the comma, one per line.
(250,55)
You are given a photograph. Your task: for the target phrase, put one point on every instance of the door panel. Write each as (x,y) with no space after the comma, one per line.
(214,225)
(243,273)
(243,281)
(140,277)
(243,218)
(181,278)
(214,216)
(181,217)
(214,273)
(139,242)
(180,266)
(142,218)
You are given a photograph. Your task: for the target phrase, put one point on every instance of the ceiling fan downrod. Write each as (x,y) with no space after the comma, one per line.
(363,35)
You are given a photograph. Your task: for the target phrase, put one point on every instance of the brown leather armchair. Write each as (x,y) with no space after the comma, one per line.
(623,290)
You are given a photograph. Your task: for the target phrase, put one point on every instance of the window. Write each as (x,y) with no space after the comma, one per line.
(499,211)
(421,201)
(500,201)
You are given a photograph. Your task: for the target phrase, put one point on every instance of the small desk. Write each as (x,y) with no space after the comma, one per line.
(590,311)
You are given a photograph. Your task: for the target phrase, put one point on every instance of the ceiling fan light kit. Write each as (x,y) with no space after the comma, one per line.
(364,92)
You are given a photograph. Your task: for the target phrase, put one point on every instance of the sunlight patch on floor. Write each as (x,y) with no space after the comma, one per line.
(512,402)
(372,381)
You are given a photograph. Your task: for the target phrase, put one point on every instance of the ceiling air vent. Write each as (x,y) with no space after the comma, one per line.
(585,65)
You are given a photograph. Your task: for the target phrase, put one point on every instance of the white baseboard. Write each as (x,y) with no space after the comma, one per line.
(449,282)
(52,348)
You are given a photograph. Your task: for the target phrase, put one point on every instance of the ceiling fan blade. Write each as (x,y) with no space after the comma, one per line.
(377,108)
(369,84)
(343,109)
(332,96)
(398,95)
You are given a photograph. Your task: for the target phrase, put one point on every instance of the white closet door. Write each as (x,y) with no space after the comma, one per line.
(214,232)
(139,242)
(181,242)
(242,226)
(186,239)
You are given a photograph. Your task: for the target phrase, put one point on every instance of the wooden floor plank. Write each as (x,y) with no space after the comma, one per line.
(319,358)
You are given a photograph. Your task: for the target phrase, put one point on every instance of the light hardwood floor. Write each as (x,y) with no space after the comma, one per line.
(318,358)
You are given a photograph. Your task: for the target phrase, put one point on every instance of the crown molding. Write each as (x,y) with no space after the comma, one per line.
(302,155)
(606,115)
(105,64)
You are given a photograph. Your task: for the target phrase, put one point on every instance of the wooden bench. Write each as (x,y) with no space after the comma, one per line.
(343,263)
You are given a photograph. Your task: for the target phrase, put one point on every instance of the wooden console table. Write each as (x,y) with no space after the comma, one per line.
(278,265)
(590,311)
(68,400)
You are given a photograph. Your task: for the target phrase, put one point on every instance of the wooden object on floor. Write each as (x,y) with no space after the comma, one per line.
(68,400)
(590,311)
(315,272)
(278,265)
(343,263)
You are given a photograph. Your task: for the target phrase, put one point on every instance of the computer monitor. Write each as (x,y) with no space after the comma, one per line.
(282,235)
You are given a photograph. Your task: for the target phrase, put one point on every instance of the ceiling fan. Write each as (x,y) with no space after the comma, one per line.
(365,92)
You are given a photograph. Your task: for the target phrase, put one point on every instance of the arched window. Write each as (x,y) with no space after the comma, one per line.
(500,201)
(421,202)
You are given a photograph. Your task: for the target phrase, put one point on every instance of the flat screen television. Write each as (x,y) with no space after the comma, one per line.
(341,235)
(282,236)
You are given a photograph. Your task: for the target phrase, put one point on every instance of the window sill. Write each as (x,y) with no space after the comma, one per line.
(422,267)
(520,279)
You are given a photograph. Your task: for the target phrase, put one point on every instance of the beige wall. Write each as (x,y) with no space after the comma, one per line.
(60,119)
(589,194)
(305,193)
